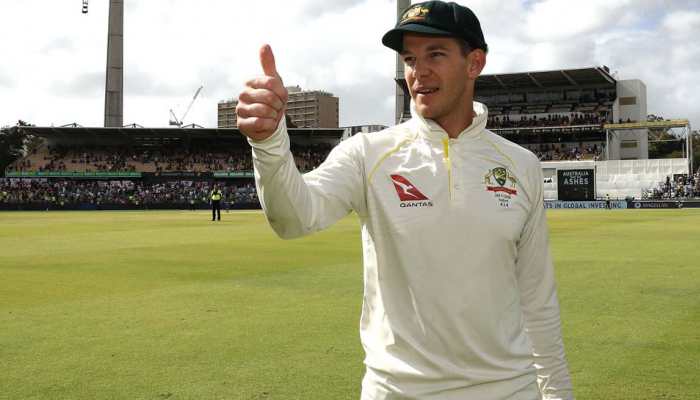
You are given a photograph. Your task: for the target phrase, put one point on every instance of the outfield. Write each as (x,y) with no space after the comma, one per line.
(169,305)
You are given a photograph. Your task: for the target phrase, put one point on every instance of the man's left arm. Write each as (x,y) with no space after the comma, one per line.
(538,297)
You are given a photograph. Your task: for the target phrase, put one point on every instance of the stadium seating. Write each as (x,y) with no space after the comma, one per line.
(174,159)
(69,193)
(536,118)
(567,151)
(168,176)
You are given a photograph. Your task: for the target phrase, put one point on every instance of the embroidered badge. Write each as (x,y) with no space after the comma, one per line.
(502,183)
(414,14)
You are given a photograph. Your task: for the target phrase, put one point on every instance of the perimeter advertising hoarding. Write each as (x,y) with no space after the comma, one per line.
(576,185)
(72,174)
(234,174)
(661,204)
(618,204)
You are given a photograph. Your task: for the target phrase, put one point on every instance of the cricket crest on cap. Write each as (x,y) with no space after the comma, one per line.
(417,13)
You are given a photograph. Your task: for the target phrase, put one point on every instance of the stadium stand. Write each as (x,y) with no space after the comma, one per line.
(114,168)
(576,121)
(558,115)
(566,152)
(678,187)
(101,194)
(565,116)
(99,159)
(505,121)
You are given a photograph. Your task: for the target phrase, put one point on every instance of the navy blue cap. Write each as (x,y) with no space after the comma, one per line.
(440,19)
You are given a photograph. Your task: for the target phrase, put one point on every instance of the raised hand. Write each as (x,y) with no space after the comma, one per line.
(263,102)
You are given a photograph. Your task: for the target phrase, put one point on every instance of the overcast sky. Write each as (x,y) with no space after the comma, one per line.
(53,57)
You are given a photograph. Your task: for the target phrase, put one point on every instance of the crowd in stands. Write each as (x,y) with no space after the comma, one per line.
(168,159)
(179,192)
(23,165)
(555,152)
(59,193)
(59,158)
(551,98)
(310,157)
(524,121)
(684,186)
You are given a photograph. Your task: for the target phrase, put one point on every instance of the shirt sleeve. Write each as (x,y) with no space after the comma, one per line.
(297,205)
(538,298)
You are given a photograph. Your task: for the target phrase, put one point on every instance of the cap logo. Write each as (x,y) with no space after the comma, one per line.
(415,13)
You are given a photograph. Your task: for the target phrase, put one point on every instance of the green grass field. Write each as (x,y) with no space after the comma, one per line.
(169,305)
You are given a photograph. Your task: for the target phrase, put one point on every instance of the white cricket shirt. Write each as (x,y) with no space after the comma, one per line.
(459,292)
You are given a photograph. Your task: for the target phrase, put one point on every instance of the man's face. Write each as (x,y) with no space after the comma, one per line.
(437,74)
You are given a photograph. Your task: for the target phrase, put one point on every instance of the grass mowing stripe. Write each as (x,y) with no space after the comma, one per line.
(167,304)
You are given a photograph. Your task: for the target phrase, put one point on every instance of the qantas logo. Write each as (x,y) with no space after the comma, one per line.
(409,195)
(406,190)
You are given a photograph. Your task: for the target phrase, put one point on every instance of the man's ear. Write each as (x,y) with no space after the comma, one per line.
(476,63)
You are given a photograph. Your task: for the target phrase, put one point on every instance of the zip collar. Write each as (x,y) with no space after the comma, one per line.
(430,129)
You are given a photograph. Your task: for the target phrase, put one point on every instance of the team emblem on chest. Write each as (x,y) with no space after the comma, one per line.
(502,183)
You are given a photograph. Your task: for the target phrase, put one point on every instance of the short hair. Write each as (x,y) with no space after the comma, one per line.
(464,46)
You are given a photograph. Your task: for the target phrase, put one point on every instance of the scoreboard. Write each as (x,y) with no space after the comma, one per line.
(576,184)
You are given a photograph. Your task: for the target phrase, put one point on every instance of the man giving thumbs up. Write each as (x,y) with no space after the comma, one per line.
(459,293)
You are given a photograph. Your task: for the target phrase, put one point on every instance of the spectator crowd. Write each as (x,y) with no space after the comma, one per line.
(179,191)
(60,193)
(683,186)
(505,121)
(555,152)
(162,159)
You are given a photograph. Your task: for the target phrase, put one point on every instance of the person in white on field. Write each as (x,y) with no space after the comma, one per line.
(459,290)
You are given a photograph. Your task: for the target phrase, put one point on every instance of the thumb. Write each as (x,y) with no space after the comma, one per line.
(267,61)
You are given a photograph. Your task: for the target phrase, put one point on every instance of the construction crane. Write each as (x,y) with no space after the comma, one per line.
(178,122)
(85,6)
